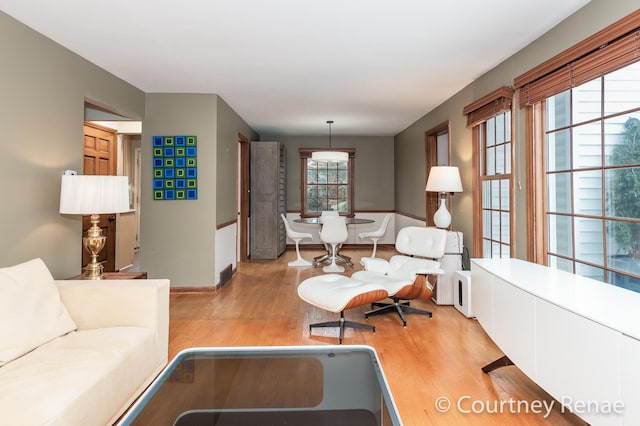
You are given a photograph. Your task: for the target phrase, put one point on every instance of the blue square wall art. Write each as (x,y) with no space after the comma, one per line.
(175,175)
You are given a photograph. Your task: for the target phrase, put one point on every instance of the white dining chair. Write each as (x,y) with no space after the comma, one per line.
(296,237)
(374,236)
(334,232)
(325,256)
(328,213)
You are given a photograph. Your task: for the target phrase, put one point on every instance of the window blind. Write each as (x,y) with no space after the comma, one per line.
(489,105)
(613,48)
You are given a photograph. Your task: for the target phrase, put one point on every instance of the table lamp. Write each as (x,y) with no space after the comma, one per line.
(445,180)
(94,195)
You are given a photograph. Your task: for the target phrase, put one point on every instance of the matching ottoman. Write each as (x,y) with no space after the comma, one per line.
(337,293)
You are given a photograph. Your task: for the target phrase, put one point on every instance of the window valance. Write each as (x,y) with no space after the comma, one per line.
(489,105)
(613,48)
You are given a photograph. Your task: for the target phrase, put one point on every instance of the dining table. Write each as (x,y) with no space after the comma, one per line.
(325,257)
(350,220)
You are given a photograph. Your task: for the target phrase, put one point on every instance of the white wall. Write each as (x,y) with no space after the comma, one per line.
(225,249)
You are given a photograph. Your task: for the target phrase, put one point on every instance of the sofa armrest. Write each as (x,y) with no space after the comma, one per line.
(114,303)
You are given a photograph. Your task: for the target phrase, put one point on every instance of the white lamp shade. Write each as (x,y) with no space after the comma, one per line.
(333,156)
(444,179)
(86,194)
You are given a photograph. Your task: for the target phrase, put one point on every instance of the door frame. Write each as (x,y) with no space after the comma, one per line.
(432,199)
(108,222)
(242,224)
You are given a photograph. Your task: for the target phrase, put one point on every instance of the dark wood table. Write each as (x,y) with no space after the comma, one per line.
(118,276)
(349,220)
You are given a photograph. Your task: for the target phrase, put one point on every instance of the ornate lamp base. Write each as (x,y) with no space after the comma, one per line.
(94,242)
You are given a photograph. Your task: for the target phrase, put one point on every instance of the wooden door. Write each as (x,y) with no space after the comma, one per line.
(100,159)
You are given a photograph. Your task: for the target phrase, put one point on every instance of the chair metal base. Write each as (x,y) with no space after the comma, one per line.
(318,260)
(399,307)
(345,259)
(342,323)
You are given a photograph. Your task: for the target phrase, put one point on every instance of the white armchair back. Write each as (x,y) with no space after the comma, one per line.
(426,242)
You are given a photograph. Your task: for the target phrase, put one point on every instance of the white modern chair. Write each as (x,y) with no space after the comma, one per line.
(405,276)
(377,234)
(334,232)
(297,237)
(326,256)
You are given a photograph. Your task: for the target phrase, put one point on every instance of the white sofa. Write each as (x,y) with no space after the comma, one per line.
(77,352)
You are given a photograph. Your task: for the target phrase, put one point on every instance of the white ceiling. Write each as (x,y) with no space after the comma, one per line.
(288,66)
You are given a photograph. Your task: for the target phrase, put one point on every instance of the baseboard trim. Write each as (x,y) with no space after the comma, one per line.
(186,290)
(229,271)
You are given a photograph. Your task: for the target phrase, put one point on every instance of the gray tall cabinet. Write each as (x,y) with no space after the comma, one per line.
(268,236)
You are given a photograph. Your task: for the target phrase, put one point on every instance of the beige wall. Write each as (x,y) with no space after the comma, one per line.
(409,144)
(178,237)
(374,180)
(43,89)
(229,125)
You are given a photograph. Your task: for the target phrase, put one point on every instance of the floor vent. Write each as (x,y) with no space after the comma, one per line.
(225,276)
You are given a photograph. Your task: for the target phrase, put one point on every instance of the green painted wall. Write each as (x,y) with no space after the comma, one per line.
(374,178)
(229,125)
(409,144)
(43,88)
(178,237)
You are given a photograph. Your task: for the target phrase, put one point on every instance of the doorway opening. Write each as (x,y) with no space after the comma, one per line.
(126,160)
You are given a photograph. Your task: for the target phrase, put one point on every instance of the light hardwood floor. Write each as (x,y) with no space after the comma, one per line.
(424,363)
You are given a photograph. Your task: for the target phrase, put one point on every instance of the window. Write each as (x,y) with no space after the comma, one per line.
(592,170)
(495,184)
(490,118)
(583,141)
(326,185)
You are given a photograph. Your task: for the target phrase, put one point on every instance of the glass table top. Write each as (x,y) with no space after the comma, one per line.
(349,220)
(280,385)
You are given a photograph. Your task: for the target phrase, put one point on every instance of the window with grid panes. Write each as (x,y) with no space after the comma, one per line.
(583,110)
(592,171)
(327,185)
(495,176)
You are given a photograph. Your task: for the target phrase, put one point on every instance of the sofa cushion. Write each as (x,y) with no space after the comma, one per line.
(31,312)
(82,378)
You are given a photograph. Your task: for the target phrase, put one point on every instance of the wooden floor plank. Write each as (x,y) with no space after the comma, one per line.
(427,361)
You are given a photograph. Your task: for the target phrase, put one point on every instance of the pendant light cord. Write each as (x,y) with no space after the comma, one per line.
(329,122)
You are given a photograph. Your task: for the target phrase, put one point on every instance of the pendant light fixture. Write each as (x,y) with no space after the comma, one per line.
(332,156)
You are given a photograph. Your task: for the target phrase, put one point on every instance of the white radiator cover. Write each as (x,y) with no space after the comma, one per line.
(451,262)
